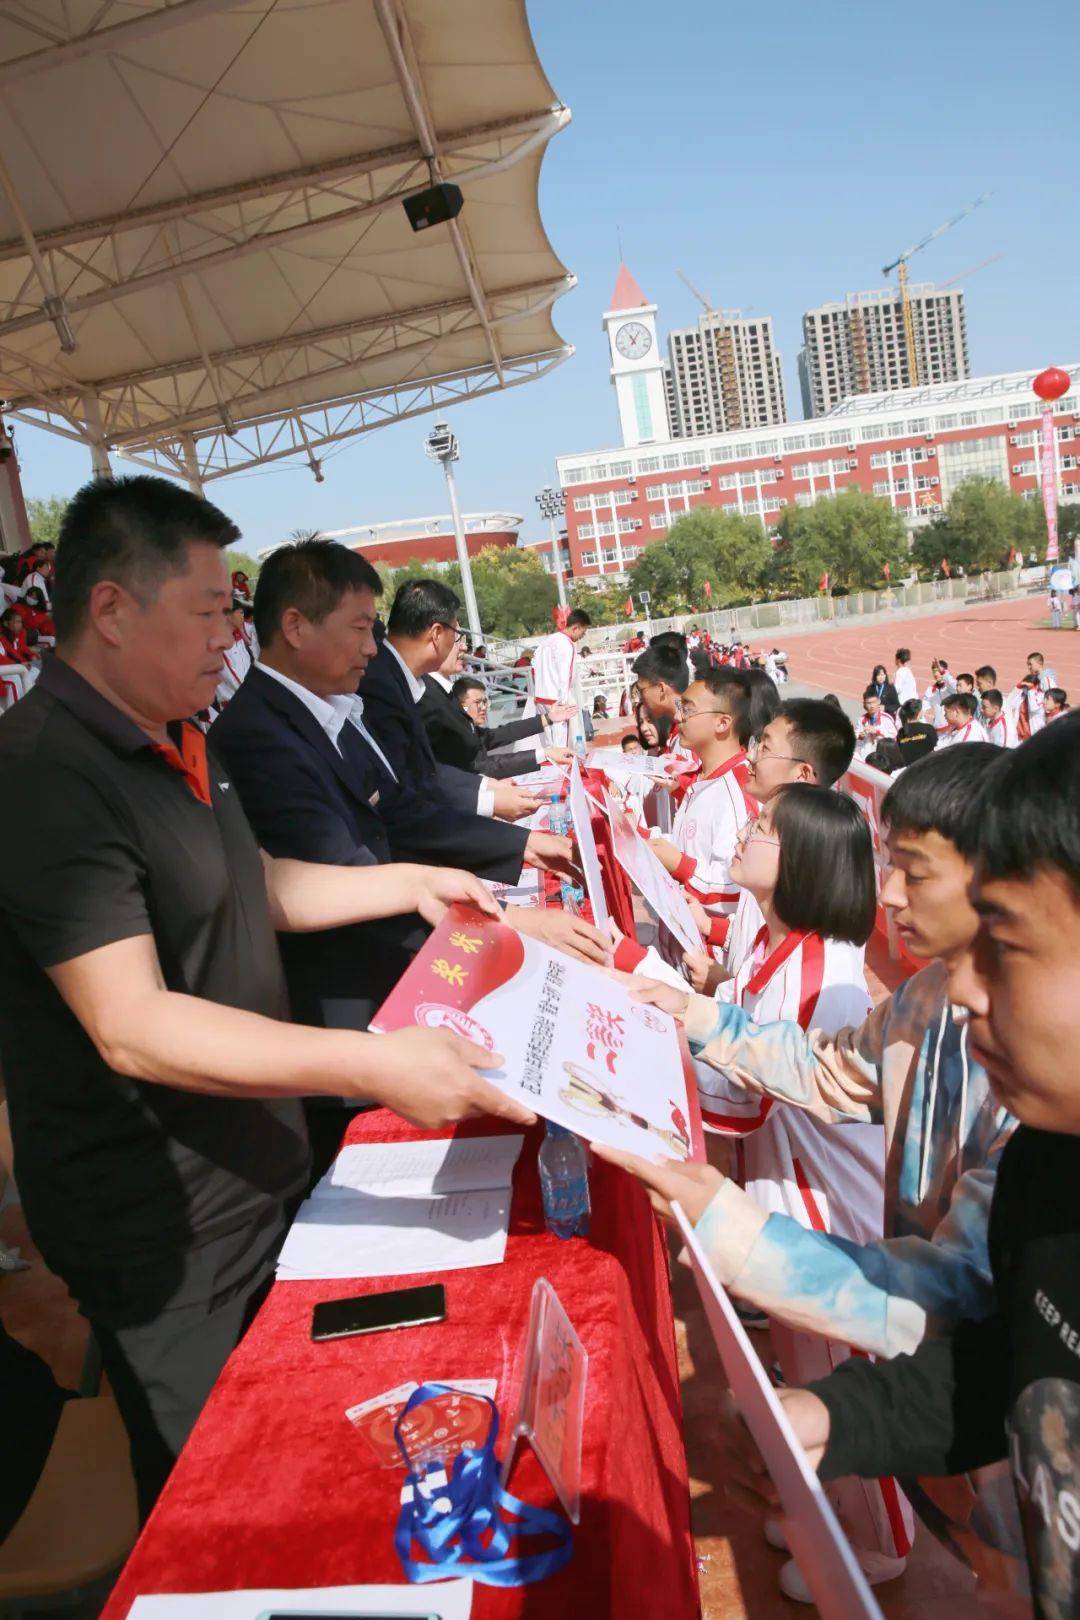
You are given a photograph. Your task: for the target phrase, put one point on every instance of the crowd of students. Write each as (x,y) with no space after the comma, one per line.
(869,1194)
(862,1213)
(898,725)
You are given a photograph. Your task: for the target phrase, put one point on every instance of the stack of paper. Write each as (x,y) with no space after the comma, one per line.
(386,1209)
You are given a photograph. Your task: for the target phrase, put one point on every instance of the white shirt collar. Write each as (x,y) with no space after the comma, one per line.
(331,712)
(416,686)
(442,681)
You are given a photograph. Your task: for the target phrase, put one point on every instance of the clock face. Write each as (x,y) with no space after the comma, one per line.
(633,340)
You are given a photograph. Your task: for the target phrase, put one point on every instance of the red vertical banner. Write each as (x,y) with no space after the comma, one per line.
(1049,484)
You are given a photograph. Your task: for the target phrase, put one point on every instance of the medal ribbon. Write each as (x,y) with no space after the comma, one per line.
(457,1518)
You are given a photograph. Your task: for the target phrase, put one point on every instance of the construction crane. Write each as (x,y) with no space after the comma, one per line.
(972,270)
(900,266)
(706,304)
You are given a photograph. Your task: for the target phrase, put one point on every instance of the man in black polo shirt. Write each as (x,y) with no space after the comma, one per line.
(151,1077)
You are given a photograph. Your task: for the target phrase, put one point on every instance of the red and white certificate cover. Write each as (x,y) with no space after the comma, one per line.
(576,1048)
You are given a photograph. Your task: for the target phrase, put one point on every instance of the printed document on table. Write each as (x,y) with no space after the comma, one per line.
(420,1169)
(575,1046)
(388,1209)
(450,1600)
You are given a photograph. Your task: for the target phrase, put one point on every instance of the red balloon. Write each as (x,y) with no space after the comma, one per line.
(1051,383)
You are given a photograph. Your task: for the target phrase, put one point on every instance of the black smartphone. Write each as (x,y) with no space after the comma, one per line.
(372,1313)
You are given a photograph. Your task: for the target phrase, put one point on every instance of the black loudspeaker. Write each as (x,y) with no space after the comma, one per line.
(434,206)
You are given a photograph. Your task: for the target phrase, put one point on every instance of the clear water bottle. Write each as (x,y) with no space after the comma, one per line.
(564,1182)
(559,815)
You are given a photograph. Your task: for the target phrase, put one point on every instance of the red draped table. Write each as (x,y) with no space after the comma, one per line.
(275,1488)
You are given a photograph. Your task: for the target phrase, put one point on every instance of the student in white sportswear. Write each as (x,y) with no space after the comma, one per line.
(553,669)
(904,677)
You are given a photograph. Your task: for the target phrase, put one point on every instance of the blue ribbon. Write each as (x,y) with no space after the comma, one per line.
(459,1525)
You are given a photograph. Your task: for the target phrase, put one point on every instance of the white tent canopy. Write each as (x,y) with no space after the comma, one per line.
(204,259)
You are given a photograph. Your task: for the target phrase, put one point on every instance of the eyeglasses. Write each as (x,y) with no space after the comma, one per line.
(750,833)
(755,751)
(458,635)
(690,711)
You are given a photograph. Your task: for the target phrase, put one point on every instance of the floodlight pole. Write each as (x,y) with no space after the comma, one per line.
(442,445)
(552,504)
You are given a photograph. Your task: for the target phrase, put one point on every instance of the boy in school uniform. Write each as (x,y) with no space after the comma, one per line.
(961,726)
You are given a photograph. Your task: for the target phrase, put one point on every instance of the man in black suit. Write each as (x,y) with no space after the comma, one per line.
(422,632)
(454,711)
(317,786)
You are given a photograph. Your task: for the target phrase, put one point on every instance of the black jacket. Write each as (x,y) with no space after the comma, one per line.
(307,801)
(456,739)
(1006,1386)
(394,717)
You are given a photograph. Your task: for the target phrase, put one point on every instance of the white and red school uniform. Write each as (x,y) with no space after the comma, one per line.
(1024,711)
(706,829)
(553,678)
(997,731)
(971,732)
(238,661)
(872,729)
(829,1178)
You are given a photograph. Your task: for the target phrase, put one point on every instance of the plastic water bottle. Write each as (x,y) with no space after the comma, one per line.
(564,1182)
(559,816)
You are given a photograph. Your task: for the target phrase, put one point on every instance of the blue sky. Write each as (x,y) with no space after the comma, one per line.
(779,157)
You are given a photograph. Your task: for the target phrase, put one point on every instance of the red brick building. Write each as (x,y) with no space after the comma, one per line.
(911,448)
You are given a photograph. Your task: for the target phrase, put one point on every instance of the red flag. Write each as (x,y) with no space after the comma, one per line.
(823,583)
(629,608)
(887,571)
(707,588)
(560,616)
(945,569)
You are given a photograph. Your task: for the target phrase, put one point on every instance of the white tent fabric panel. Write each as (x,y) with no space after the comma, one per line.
(201,226)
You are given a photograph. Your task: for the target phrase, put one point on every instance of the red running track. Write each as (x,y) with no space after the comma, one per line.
(840,659)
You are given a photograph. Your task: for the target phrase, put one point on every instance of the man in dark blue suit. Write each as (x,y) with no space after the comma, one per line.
(317,785)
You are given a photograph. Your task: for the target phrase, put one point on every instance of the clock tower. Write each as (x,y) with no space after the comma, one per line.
(637,368)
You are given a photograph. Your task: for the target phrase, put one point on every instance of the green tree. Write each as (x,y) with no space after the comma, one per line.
(851,537)
(604,606)
(45,516)
(514,592)
(724,551)
(983,521)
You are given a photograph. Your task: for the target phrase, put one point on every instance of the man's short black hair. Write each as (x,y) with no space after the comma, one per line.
(764,700)
(1030,807)
(311,576)
(903,655)
(662,664)
(631,739)
(822,736)
(420,603)
(936,793)
(967,701)
(670,638)
(871,691)
(1059,694)
(578,616)
(992,695)
(732,688)
(986,672)
(466,683)
(910,710)
(825,884)
(965,677)
(134,531)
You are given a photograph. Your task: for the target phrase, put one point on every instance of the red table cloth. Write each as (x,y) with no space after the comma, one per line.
(276,1488)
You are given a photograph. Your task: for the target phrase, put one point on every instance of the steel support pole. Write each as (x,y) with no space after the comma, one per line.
(472,613)
(556,560)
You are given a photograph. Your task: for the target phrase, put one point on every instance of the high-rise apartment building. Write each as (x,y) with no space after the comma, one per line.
(858,346)
(724,374)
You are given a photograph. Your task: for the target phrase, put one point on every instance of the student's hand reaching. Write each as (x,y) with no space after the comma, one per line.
(694,1186)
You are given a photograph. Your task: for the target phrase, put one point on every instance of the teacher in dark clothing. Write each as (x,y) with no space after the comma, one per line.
(454,709)
(152,1075)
